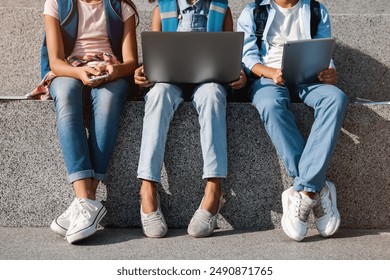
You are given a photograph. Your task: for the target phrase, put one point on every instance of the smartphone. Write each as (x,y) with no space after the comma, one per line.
(96,78)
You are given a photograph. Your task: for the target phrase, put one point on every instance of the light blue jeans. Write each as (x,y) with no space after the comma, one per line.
(161,102)
(306,162)
(87,156)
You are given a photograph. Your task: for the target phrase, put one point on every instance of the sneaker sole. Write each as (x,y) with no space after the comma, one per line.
(84,233)
(155,236)
(285,210)
(57,228)
(333,195)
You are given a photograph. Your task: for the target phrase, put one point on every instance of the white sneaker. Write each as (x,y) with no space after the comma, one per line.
(296,211)
(61,224)
(153,224)
(327,217)
(85,218)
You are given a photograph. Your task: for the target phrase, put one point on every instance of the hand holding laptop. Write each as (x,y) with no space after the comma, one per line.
(140,78)
(328,76)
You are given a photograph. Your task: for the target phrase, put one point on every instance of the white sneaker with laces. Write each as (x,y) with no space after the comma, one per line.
(296,211)
(153,224)
(84,221)
(61,224)
(327,217)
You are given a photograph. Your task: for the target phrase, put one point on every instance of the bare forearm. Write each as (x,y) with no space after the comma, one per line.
(126,69)
(62,69)
(272,73)
(263,71)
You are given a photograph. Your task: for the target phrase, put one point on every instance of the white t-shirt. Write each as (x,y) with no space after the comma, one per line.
(92,37)
(286,26)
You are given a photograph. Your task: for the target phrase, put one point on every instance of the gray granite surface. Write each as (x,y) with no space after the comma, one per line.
(130,245)
(33,188)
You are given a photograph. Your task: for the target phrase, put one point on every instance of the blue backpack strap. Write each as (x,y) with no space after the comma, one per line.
(260,15)
(68,18)
(169,15)
(315,17)
(115,27)
(45,67)
(68,14)
(216,16)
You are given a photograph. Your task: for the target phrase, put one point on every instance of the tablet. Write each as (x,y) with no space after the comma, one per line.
(303,60)
(192,57)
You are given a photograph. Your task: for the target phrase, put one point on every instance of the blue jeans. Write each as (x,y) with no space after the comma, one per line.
(160,104)
(87,156)
(306,162)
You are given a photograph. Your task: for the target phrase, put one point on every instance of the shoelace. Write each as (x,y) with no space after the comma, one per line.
(302,209)
(66,214)
(83,214)
(321,207)
(68,211)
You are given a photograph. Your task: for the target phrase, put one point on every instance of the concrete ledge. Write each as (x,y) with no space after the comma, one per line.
(33,188)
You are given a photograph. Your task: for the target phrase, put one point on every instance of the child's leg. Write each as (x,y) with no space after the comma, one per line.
(160,104)
(210,102)
(107,104)
(329,104)
(273,104)
(67,94)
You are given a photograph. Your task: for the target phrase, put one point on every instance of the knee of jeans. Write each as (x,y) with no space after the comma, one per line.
(108,106)
(119,88)
(210,93)
(163,94)
(270,105)
(65,87)
(68,102)
(337,99)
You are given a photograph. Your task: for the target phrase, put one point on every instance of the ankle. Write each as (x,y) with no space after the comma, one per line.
(309,194)
(212,195)
(148,188)
(148,194)
(213,187)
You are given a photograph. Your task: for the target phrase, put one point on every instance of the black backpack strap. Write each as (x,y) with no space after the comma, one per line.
(260,15)
(315,17)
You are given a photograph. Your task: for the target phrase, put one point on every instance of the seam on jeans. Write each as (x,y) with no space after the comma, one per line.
(149,178)
(215,175)
(90,172)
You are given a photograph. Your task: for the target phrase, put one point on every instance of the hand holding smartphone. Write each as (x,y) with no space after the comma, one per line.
(97,78)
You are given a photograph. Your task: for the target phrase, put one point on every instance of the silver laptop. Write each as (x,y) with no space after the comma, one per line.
(303,60)
(192,57)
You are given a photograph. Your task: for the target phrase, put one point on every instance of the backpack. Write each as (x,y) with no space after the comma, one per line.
(68,17)
(169,15)
(260,15)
